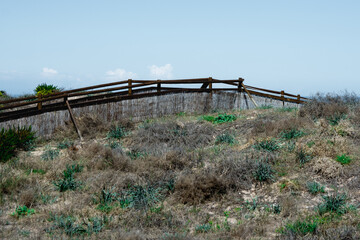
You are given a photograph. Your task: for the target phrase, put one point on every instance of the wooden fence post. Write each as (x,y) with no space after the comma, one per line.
(73,120)
(282,97)
(298,98)
(158,86)
(39,105)
(129,87)
(241,80)
(210,85)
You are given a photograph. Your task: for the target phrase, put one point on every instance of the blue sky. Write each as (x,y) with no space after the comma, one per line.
(299,46)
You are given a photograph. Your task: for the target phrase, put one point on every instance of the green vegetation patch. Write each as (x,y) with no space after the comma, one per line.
(335,203)
(117,132)
(300,228)
(314,187)
(225,138)
(343,159)
(23,211)
(221,118)
(269,145)
(46,89)
(68,181)
(263,172)
(13,139)
(291,134)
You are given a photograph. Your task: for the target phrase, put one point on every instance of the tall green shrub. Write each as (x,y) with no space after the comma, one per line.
(46,89)
(13,139)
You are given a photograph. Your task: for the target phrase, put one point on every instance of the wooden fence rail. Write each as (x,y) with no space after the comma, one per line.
(129,89)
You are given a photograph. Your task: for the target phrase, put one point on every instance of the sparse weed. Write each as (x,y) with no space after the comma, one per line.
(68,182)
(140,197)
(343,159)
(117,132)
(38,171)
(221,118)
(203,228)
(65,144)
(286,109)
(291,134)
(310,144)
(314,188)
(133,154)
(265,107)
(335,118)
(270,145)
(300,228)
(335,203)
(263,172)
(50,154)
(225,138)
(302,157)
(23,211)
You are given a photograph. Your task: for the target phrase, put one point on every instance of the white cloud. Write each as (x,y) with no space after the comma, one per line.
(48,72)
(120,74)
(162,71)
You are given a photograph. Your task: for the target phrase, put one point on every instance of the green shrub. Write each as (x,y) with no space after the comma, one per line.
(314,188)
(302,157)
(46,89)
(50,154)
(263,172)
(333,203)
(221,118)
(68,182)
(291,134)
(140,197)
(343,159)
(301,228)
(267,145)
(13,139)
(23,211)
(106,198)
(116,132)
(225,138)
(335,118)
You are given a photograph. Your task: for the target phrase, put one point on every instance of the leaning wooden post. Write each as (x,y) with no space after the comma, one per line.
(129,87)
(298,98)
(39,105)
(158,86)
(248,93)
(73,120)
(282,97)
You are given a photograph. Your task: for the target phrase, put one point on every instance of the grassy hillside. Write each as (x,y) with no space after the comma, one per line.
(253,174)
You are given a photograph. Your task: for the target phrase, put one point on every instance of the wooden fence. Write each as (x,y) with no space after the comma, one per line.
(129,89)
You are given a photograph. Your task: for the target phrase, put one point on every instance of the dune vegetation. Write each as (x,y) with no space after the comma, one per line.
(265,173)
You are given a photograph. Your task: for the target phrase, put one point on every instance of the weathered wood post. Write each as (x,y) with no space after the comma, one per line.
(39,105)
(298,98)
(240,83)
(158,86)
(282,97)
(210,85)
(73,120)
(129,87)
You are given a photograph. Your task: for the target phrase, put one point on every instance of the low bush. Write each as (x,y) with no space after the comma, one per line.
(314,187)
(343,159)
(68,182)
(140,197)
(13,139)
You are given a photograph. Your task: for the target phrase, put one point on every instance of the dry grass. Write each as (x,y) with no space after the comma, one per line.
(168,179)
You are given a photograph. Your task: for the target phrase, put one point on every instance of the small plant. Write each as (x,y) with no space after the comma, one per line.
(336,118)
(301,228)
(117,132)
(343,159)
(106,198)
(140,197)
(314,188)
(133,154)
(113,143)
(276,208)
(46,89)
(50,154)
(251,205)
(13,139)
(38,171)
(302,157)
(333,203)
(287,109)
(23,211)
(204,228)
(225,138)
(65,144)
(291,134)
(268,145)
(263,172)
(310,144)
(68,182)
